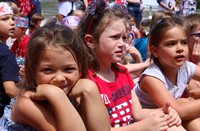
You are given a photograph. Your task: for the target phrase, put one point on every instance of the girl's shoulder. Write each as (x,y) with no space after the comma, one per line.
(8,120)
(22,107)
(26,111)
(154,71)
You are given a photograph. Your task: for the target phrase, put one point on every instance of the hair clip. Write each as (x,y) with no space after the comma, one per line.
(95,10)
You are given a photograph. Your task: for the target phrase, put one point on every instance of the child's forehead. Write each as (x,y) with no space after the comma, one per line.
(57,47)
(55,51)
(120,22)
(176,27)
(174,33)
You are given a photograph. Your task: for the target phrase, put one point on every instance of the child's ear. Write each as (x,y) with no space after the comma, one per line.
(89,41)
(154,51)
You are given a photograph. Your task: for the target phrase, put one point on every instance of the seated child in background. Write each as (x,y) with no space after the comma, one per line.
(141,44)
(133,59)
(133,31)
(54,74)
(193,20)
(132,55)
(166,79)
(19,47)
(8,66)
(194,46)
(134,68)
(34,23)
(15,9)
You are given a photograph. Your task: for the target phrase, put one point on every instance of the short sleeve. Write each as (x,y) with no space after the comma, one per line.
(8,67)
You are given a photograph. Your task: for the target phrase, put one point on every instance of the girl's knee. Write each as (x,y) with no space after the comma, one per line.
(192,125)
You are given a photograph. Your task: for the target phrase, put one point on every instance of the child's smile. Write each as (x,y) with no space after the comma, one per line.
(58,67)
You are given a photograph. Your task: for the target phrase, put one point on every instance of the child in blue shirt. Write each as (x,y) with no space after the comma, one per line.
(8,66)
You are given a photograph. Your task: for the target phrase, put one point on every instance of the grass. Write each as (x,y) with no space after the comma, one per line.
(49,8)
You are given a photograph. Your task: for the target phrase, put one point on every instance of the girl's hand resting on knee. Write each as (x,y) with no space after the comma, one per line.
(173,118)
(156,121)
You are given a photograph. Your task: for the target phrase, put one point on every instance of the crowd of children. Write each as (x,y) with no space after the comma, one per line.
(98,70)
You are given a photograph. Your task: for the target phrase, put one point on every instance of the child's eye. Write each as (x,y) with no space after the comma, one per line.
(124,39)
(5,18)
(70,69)
(47,70)
(185,42)
(170,44)
(115,37)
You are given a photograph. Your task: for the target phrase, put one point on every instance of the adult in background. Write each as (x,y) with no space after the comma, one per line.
(166,5)
(37,6)
(135,9)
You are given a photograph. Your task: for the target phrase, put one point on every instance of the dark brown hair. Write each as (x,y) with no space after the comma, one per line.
(158,15)
(57,36)
(94,22)
(161,27)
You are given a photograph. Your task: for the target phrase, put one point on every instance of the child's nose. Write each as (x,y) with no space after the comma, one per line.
(12,22)
(122,42)
(59,77)
(179,48)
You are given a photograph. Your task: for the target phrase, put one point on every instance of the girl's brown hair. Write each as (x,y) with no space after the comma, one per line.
(14,8)
(95,20)
(158,15)
(57,36)
(161,27)
(193,21)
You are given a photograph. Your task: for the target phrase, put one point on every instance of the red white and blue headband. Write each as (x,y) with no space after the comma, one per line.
(5,9)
